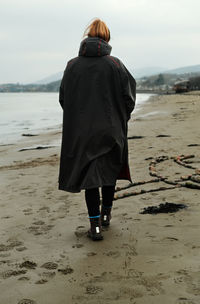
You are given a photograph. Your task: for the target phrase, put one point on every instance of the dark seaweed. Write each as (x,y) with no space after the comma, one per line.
(135,137)
(163,208)
(163,135)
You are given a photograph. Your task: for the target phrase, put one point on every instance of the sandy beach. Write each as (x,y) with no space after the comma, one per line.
(45,255)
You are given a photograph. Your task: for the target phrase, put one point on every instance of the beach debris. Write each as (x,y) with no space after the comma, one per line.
(36,148)
(186,177)
(137,184)
(142,191)
(163,208)
(192,185)
(163,135)
(188,181)
(193,145)
(29,134)
(154,162)
(195,178)
(148,158)
(181,160)
(39,161)
(136,137)
(4,145)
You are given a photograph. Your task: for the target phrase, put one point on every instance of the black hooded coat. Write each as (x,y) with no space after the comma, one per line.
(97,94)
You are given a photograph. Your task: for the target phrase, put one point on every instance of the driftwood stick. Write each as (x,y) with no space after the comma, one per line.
(191,185)
(170,182)
(195,178)
(187,181)
(180,160)
(142,191)
(155,180)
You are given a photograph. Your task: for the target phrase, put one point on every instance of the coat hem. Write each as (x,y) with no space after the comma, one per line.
(73,190)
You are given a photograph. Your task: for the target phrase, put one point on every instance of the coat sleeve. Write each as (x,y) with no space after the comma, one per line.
(61,93)
(63,83)
(128,89)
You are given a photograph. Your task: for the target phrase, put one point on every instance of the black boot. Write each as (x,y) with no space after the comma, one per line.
(95,229)
(105,216)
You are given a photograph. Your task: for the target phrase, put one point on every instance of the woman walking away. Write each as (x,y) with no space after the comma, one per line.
(97,94)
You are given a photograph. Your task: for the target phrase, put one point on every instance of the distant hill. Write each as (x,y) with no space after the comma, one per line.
(12,87)
(51,78)
(160,80)
(166,81)
(184,70)
(149,71)
(137,73)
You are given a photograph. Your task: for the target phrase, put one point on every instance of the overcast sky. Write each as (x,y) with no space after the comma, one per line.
(38,37)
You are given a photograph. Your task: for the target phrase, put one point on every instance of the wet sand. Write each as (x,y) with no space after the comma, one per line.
(45,256)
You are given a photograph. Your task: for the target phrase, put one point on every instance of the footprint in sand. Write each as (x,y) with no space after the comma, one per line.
(38,223)
(9,273)
(80,231)
(193,283)
(48,274)
(21,248)
(24,279)
(4,247)
(6,217)
(28,265)
(5,262)
(44,208)
(130,249)
(41,281)
(184,301)
(26,301)
(66,270)
(77,246)
(34,230)
(39,228)
(91,289)
(89,254)
(50,265)
(5,255)
(179,280)
(113,254)
(11,244)
(28,211)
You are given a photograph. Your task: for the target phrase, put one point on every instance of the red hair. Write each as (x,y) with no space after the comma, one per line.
(98,28)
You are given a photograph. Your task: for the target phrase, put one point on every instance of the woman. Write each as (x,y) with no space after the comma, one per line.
(97,94)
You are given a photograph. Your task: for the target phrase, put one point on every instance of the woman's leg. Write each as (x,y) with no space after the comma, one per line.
(92,198)
(107,196)
(107,202)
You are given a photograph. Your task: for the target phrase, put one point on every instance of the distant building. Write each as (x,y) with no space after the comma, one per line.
(182,86)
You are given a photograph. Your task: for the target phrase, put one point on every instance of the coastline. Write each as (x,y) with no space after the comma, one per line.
(45,255)
(33,114)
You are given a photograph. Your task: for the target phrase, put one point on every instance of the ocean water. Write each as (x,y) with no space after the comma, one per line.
(34,113)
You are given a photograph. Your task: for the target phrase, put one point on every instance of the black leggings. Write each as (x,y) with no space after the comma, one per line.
(92,198)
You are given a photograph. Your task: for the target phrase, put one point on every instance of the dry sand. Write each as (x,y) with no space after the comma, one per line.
(45,256)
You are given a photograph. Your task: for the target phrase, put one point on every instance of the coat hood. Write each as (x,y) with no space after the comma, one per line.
(94,47)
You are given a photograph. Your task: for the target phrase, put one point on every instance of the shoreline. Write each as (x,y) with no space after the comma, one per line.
(45,255)
(18,125)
